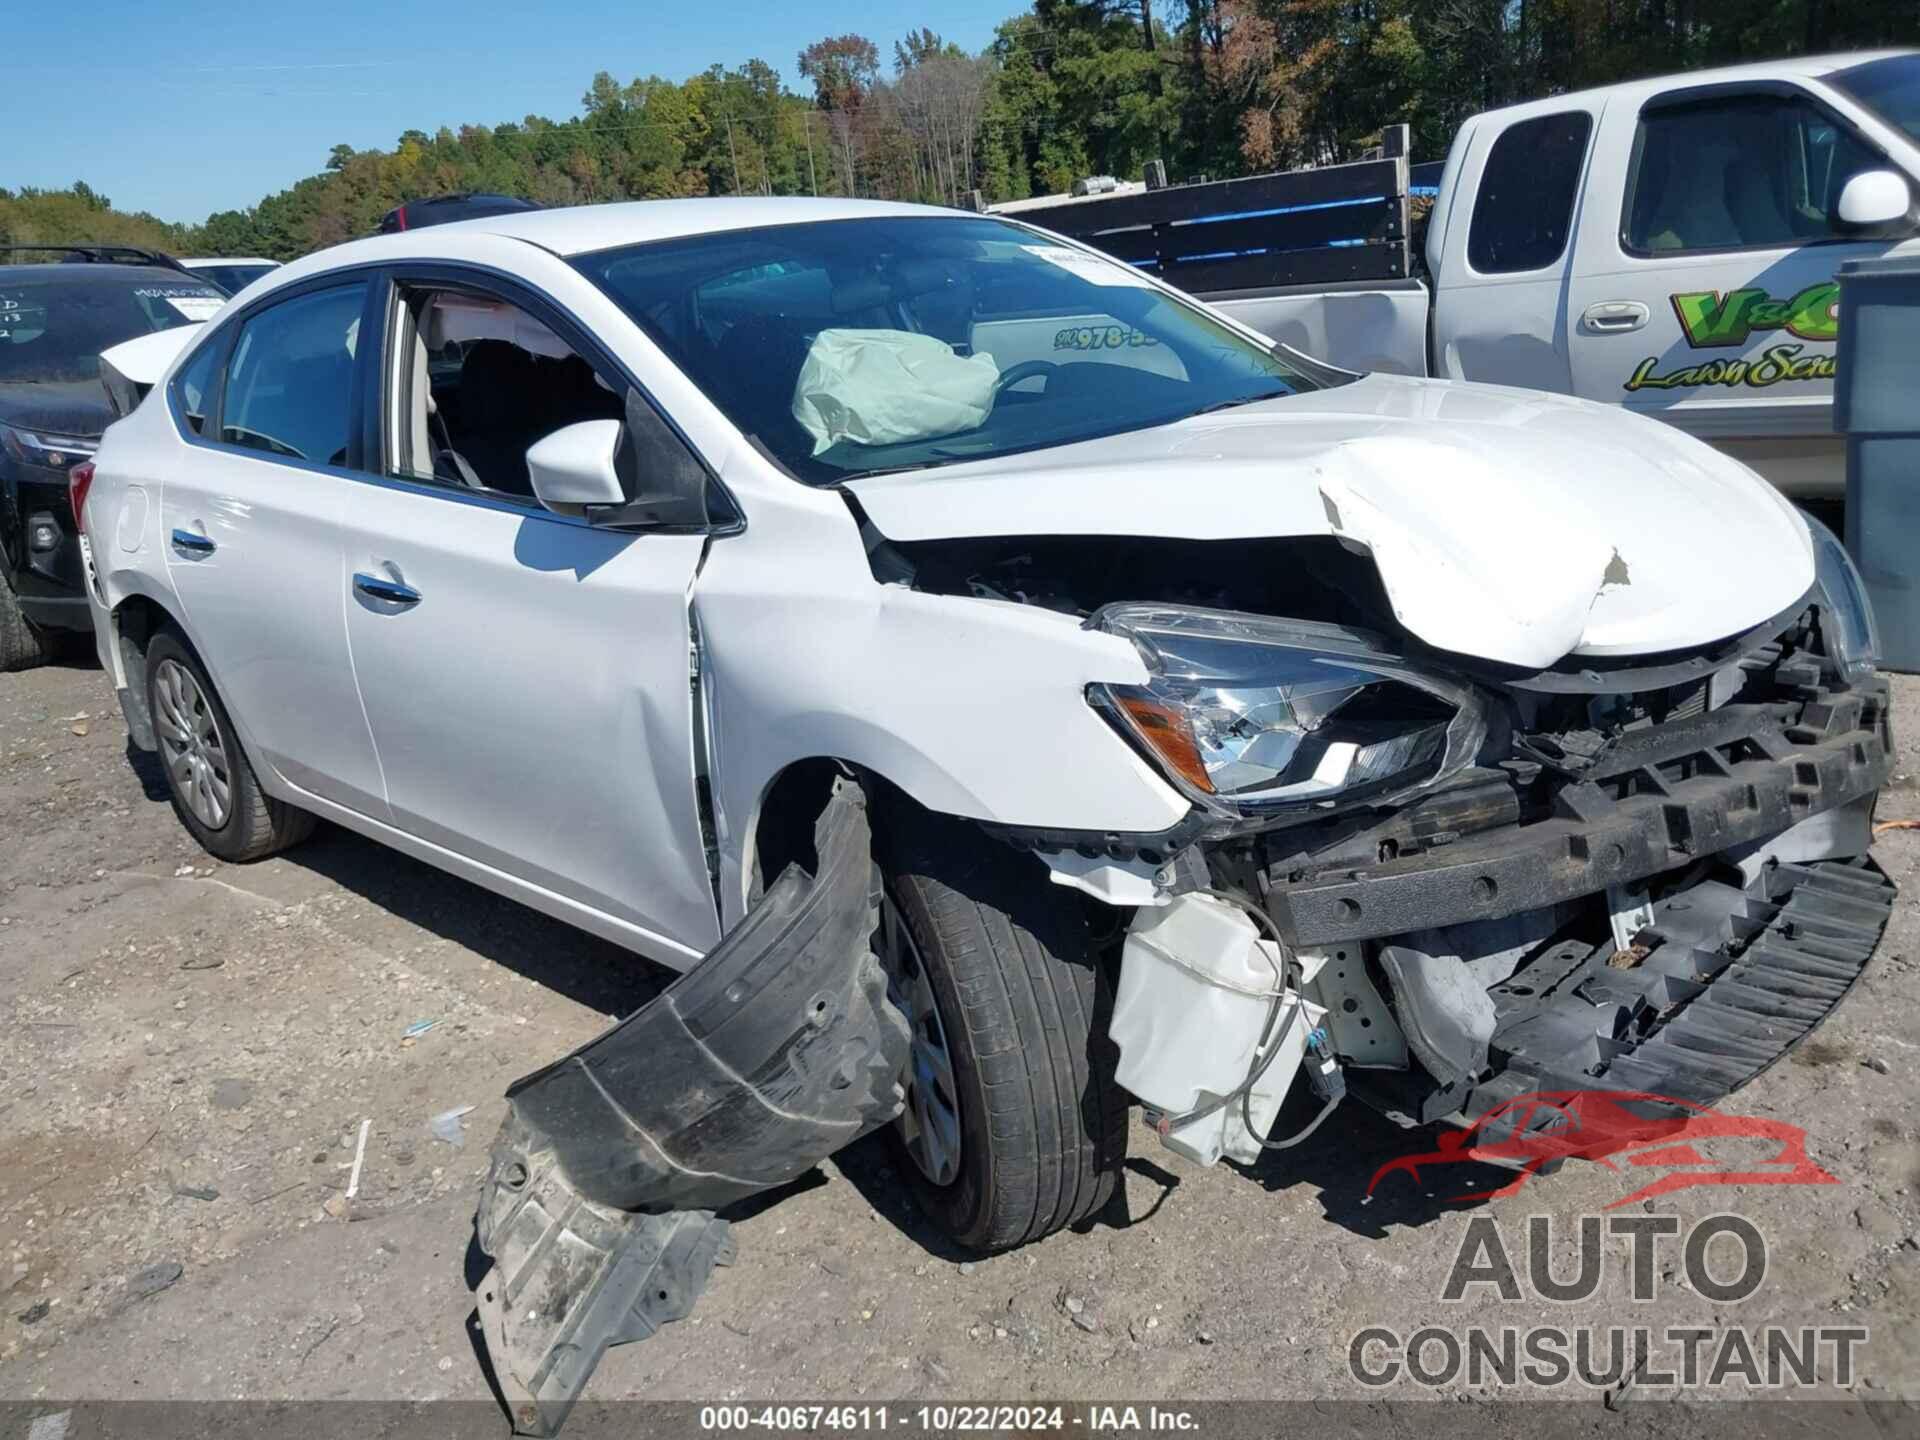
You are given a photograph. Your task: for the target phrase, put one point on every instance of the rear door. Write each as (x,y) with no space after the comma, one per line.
(1499,314)
(1705,291)
(270,414)
(526,674)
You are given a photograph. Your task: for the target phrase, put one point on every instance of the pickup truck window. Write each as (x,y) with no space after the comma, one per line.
(1746,172)
(1525,206)
(1890,88)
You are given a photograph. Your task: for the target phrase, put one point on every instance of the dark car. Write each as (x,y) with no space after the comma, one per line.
(444,209)
(55,319)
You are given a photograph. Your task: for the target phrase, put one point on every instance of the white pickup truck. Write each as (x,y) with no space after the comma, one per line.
(1669,245)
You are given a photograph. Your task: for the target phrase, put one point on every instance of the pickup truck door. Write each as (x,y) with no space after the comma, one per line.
(1703,290)
(1498,314)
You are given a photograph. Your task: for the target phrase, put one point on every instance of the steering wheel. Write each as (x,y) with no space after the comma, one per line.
(1025,370)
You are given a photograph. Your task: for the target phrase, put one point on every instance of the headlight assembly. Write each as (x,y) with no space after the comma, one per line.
(51,452)
(1847,629)
(1254,717)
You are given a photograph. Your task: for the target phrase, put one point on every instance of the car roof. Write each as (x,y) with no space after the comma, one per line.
(102,270)
(200,261)
(1798,67)
(581,229)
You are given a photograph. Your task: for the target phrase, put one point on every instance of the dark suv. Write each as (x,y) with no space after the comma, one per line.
(55,319)
(445,209)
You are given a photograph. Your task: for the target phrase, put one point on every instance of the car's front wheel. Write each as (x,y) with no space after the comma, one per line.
(1015,1126)
(214,790)
(21,645)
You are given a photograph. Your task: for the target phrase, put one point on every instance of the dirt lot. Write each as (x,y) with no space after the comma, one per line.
(191,1049)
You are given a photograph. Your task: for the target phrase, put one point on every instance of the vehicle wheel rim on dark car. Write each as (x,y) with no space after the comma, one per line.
(190,744)
(930,1125)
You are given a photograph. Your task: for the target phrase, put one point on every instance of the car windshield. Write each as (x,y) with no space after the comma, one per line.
(847,347)
(1890,88)
(53,328)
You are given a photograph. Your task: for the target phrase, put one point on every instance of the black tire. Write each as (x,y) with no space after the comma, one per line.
(1024,1004)
(21,646)
(256,824)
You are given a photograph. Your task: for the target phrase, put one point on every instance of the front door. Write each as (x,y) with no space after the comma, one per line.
(526,675)
(1715,306)
(248,523)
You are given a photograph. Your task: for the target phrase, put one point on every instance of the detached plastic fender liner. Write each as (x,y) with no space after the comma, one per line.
(775,1051)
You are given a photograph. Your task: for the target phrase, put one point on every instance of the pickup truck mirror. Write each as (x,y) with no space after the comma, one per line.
(1872,198)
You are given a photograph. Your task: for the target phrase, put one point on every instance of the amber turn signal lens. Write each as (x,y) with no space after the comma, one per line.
(1167,731)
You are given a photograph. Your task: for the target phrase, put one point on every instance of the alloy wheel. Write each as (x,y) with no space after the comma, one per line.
(930,1125)
(190,745)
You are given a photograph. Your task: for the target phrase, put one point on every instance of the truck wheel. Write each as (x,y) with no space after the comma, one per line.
(214,790)
(20,644)
(1014,1126)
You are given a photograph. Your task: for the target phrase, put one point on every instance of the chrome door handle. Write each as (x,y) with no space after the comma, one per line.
(191,542)
(378,587)
(1614,317)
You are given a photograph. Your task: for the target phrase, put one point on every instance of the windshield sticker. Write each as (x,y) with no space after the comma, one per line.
(21,320)
(1710,319)
(1091,268)
(196,307)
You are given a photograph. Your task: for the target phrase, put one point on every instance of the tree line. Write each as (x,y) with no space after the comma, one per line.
(1067,89)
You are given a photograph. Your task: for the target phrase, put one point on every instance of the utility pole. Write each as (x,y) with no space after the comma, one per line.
(813,180)
(733,155)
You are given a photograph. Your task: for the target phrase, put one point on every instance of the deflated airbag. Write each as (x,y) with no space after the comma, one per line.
(883,387)
(775,1051)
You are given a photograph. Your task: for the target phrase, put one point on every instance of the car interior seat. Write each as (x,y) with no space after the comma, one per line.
(502,412)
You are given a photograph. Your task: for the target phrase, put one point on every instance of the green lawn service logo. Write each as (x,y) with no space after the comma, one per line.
(1710,320)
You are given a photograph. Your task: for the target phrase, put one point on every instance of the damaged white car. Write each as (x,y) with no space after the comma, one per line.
(1212,722)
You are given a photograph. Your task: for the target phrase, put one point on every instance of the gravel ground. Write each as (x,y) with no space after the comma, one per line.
(193,1048)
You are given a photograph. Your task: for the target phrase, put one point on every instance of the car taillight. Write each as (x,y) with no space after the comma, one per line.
(79,481)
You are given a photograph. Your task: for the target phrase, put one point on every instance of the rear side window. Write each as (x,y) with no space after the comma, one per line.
(1525,207)
(1745,172)
(196,377)
(290,382)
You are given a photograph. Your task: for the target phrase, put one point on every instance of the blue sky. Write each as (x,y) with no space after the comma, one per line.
(189,107)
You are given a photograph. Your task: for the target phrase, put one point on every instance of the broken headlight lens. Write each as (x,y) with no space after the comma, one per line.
(1847,629)
(1254,716)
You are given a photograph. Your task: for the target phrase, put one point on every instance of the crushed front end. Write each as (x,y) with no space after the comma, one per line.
(1668,913)
(1458,883)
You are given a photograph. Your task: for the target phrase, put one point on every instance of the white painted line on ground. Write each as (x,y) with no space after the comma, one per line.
(359,1156)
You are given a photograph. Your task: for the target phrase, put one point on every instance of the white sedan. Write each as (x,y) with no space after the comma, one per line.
(1210,718)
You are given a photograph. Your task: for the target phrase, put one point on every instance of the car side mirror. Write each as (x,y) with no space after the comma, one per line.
(574,467)
(1873,198)
(635,474)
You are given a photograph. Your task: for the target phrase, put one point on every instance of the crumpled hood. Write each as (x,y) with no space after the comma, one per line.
(65,407)
(1508,524)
